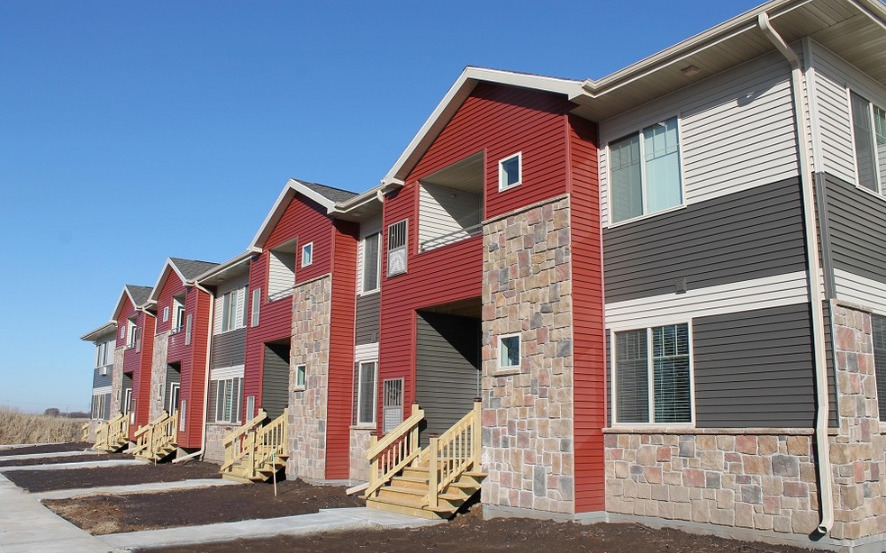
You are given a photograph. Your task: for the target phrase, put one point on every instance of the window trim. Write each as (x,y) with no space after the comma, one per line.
(374,421)
(221,385)
(646,214)
(255,308)
(871,104)
(166,314)
(301,374)
(362,276)
(307,260)
(404,248)
(611,375)
(502,186)
(509,369)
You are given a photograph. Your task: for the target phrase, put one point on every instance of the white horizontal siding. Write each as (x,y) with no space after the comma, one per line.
(761,293)
(860,290)
(736,130)
(444,210)
(834,78)
(101,391)
(366,352)
(225,373)
(238,283)
(281,279)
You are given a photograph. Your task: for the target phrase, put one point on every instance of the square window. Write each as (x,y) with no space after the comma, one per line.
(307,254)
(301,377)
(509,352)
(510,171)
(644,170)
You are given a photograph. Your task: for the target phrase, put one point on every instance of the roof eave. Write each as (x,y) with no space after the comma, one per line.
(292,187)
(109,328)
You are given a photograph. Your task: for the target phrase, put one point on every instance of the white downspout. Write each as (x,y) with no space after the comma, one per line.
(814,278)
(205,377)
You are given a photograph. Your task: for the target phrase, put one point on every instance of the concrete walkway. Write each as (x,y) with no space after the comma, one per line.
(26,526)
(83,465)
(327,520)
(135,488)
(47,455)
(19,446)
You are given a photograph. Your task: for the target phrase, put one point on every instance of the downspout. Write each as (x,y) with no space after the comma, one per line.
(205,377)
(814,278)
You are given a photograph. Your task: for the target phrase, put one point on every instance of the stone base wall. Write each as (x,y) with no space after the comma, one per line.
(215,435)
(528,412)
(158,374)
(857,451)
(360,439)
(117,383)
(311,321)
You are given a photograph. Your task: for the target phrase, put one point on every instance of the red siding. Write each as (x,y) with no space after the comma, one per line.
(141,375)
(193,368)
(341,350)
(588,322)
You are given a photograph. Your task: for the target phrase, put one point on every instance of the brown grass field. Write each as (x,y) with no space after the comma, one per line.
(20,428)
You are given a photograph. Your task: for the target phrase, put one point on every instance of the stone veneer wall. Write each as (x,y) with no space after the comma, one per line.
(158,373)
(756,481)
(360,439)
(857,449)
(311,321)
(117,383)
(215,436)
(528,413)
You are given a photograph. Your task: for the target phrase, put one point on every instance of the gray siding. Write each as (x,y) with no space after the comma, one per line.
(856,221)
(228,349)
(750,234)
(99,381)
(447,368)
(754,369)
(275,380)
(367,319)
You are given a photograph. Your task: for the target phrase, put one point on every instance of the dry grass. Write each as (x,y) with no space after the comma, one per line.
(19,428)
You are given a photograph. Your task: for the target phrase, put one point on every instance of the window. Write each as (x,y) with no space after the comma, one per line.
(122,332)
(645,172)
(879,334)
(230,302)
(256,306)
(307,254)
(178,319)
(165,313)
(127,400)
(133,334)
(370,262)
(397,248)
(172,400)
(652,375)
(301,377)
(392,404)
(510,171)
(281,271)
(366,390)
(509,352)
(228,398)
(869,133)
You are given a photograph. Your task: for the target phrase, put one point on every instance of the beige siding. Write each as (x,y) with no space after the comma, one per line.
(445,210)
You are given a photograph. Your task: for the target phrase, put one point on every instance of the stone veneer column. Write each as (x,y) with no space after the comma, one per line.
(857,450)
(158,373)
(311,321)
(359,440)
(528,413)
(117,383)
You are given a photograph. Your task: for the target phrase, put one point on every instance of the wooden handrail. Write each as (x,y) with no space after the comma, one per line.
(259,445)
(258,419)
(417,416)
(453,453)
(394,452)
(270,440)
(142,429)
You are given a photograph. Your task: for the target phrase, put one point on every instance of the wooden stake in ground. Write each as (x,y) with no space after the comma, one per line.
(274,464)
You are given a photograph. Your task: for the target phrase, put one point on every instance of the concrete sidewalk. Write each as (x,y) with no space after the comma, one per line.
(26,526)
(327,520)
(82,465)
(47,455)
(136,488)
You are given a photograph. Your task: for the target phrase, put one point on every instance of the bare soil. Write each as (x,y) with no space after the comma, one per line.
(56,460)
(66,479)
(106,514)
(470,533)
(47,448)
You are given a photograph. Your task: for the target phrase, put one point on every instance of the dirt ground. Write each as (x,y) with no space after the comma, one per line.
(49,448)
(66,479)
(62,458)
(106,514)
(472,534)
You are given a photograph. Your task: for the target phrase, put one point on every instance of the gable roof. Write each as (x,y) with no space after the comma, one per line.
(138,295)
(326,196)
(187,271)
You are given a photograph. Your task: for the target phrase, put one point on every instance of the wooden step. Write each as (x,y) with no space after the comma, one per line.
(408,495)
(236,478)
(413,482)
(405,509)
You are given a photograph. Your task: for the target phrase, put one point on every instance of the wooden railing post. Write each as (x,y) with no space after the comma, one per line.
(477,437)
(433,472)
(252,453)
(373,465)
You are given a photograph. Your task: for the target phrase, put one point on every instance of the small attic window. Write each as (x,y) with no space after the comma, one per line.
(510,171)
(307,254)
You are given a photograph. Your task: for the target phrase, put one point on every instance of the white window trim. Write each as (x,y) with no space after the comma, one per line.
(405,248)
(378,268)
(255,308)
(374,422)
(649,367)
(509,369)
(502,187)
(219,377)
(309,248)
(238,295)
(645,215)
(303,369)
(165,313)
(881,194)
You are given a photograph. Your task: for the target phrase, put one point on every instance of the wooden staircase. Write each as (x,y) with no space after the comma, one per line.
(432,482)
(113,435)
(254,453)
(157,440)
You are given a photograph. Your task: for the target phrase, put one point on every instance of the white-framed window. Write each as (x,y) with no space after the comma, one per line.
(367,389)
(127,400)
(189,320)
(869,138)
(256,307)
(878,332)
(644,171)
(165,313)
(178,313)
(509,351)
(301,377)
(652,382)
(122,332)
(230,308)
(132,334)
(510,172)
(307,254)
(228,399)
(172,400)
(371,263)
(397,243)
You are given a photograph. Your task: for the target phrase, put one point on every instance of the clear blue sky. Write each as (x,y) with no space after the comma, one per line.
(134,131)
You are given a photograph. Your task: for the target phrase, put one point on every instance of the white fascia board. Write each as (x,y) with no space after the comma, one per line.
(453,100)
(164,274)
(123,296)
(221,267)
(292,187)
(106,329)
(356,202)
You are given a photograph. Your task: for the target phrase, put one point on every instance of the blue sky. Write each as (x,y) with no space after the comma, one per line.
(134,131)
